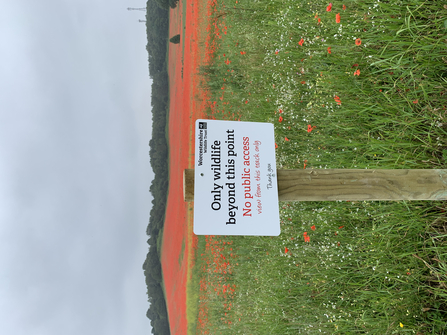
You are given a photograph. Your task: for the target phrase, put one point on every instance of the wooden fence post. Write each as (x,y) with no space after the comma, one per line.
(351,184)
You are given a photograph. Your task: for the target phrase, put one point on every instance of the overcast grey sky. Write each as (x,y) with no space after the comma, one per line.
(74,167)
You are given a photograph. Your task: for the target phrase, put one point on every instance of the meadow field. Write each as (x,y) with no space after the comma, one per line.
(347,84)
(178,240)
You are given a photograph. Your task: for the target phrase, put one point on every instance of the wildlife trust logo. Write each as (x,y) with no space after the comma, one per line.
(202,136)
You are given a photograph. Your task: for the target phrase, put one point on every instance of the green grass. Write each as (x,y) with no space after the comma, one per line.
(182,254)
(370,267)
(192,295)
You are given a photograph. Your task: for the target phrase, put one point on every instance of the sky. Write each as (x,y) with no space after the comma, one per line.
(75,174)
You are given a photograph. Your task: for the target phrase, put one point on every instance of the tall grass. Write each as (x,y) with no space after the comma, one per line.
(367,92)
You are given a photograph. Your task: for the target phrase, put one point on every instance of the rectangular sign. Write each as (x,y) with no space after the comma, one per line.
(235,187)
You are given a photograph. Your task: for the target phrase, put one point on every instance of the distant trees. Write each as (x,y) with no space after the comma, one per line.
(157,24)
(166,4)
(175,39)
(157,28)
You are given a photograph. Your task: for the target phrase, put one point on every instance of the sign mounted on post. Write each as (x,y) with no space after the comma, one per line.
(235,186)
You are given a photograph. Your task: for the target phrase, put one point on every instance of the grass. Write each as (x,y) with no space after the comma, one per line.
(192,293)
(182,254)
(368,92)
(361,272)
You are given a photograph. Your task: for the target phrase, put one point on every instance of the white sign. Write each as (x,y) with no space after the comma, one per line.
(235,187)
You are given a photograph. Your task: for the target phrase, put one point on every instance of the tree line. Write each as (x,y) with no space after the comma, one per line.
(157,27)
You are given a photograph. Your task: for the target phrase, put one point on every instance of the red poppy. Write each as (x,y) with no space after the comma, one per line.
(340,227)
(416,101)
(286,250)
(329,8)
(313,227)
(301,42)
(337,18)
(276,146)
(280,118)
(337,99)
(243,52)
(276,51)
(329,50)
(286,139)
(306,237)
(280,111)
(344,7)
(319,20)
(358,41)
(357,73)
(303,82)
(310,128)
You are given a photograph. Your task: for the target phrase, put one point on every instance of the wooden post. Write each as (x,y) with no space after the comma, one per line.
(188,185)
(351,184)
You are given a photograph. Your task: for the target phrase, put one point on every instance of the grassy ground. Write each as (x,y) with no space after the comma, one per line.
(354,84)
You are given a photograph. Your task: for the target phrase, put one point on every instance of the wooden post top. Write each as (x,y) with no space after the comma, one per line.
(188,185)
